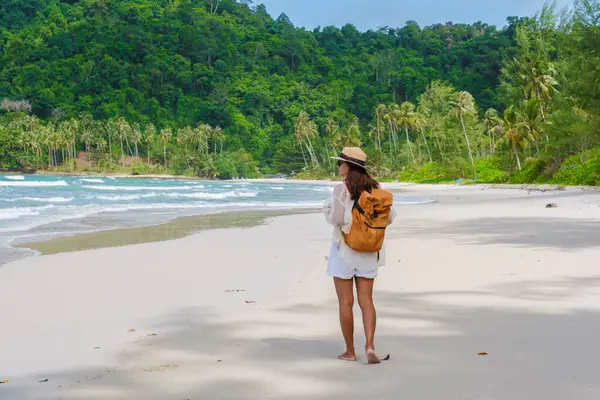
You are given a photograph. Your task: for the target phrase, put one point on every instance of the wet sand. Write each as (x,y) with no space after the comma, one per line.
(175,229)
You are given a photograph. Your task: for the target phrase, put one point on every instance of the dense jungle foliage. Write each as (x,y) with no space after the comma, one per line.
(219,88)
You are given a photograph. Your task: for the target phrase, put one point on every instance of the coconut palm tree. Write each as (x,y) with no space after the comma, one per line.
(149,138)
(136,137)
(491,120)
(405,118)
(123,130)
(165,135)
(539,83)
(305,130)
(463,106)
(530,122)
(391,117)
(420,124)
(379,119)
(514,135)
(352,138)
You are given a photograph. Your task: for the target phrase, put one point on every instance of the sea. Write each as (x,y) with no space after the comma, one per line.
(34,208)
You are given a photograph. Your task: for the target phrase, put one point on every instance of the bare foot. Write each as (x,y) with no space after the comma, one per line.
(347,356)
(372,357)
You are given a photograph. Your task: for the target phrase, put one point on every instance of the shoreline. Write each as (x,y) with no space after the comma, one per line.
(177,228)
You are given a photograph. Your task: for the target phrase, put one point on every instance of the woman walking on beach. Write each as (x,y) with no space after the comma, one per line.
(347,265)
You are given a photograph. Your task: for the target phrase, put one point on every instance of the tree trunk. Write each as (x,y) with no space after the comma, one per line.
(517,156)
(427,146)
(122,154)
(165,154)
(148,155)
(303,156)
(468,145)
(410,147)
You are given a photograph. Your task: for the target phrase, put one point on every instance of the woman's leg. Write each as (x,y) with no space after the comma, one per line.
(364,289)
(345,294)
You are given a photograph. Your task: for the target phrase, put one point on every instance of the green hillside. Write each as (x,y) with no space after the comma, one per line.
(220,88)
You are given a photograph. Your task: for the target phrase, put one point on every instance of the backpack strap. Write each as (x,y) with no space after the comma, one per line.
(358,207)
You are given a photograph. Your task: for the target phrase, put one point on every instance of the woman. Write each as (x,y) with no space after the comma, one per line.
(346,265)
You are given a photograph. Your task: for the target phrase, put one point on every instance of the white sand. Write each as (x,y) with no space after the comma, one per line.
(480,271)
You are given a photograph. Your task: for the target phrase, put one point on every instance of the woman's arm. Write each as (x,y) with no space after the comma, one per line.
(334,208)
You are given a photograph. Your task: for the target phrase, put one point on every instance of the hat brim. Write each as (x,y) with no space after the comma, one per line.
(351,162)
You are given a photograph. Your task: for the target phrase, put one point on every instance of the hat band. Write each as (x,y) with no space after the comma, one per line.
(354,160)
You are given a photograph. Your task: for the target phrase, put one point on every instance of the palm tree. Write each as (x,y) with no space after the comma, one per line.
(513,133)
(305,129)
(462,107)
(530,120)
(123,130)
(420,123)
(379,117)
(405,118)
(136,137)
(149,138)
(352,138)
(539,83)
(218,136)
(491,120)
(111,131)
(391,113)
(165,135)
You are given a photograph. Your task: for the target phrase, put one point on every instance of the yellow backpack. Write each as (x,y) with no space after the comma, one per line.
(370,218)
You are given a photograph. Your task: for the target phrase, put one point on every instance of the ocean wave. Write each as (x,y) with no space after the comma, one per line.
(16,213)
(92,180)
(15,177)
(323,189)
(277,188)
(138,188)
(42,199)
(212,196)
(34,183)
(126,197)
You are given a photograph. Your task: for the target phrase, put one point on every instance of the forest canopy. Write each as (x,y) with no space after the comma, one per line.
(219,88)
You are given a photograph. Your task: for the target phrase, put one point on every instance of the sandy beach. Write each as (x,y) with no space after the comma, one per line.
(249,313)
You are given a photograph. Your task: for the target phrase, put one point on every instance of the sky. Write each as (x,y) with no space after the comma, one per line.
(371,14)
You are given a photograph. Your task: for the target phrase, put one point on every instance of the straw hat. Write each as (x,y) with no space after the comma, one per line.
(353,155)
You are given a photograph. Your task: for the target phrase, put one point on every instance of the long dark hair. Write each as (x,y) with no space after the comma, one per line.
(359,180)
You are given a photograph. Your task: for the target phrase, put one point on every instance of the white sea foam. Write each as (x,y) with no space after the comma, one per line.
(126,197)
(92,180)
(42,199)
(16,213)
(15,177)
(138,188)
(34,183)
(212,196)
(277,188)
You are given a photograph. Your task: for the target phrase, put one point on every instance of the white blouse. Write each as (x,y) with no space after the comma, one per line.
(338,212)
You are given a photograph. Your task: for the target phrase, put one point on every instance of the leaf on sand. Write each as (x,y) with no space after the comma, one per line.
(131,330)
(250,301)
(483,353)
(45,380)
(4,381)
(153,334)
(386,358)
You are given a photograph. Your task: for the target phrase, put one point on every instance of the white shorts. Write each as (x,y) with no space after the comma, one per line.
(339,268)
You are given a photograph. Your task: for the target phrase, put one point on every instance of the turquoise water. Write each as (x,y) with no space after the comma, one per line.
(34,208)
